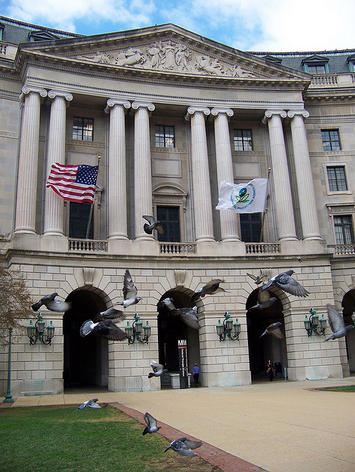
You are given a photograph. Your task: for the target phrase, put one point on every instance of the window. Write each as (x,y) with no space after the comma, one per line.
(336,179)
(78,220)
(164,136)
(316,69)
(1,32)
(343,227)
(316,64)
(250,224)
(83,129)
(169,217)
(243,140)
(330,139)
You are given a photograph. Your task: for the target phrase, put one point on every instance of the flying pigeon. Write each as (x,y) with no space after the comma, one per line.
(105,328)
(110,314)
(52,304)
(158,370)
(184,446)
(274,329)
(337,325)
(90,404)
(287,284)
(263,305)
(210,288)
(258,279)
(129,291)
(153,224)
(151,423)
(188,314)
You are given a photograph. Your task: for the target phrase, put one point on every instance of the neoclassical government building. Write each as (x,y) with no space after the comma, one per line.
(169,115)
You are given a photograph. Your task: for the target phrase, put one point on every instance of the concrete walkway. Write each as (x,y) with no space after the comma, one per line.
(279,426)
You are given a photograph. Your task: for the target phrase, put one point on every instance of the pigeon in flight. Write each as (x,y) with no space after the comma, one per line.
(274,329)
(90,404)
(287,284)
(210,288)
(105,328)
(258,279)
(184,446)
(158,370)
(52,304)
(110,314)
(129,291)
(153,224)
(188,314)
(151,423)
(263,305)
(336,323)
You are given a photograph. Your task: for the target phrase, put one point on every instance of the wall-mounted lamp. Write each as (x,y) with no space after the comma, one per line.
(39,331)
(314,325)
(138,332)
(228,329)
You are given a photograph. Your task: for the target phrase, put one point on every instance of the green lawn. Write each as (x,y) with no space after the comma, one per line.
(345,388)
(50,439)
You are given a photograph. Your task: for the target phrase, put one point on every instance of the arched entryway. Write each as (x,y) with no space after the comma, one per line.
(348,304)
(85,359)
(267,347)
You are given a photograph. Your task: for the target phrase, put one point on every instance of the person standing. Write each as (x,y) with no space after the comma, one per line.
(196,373)
(270,370)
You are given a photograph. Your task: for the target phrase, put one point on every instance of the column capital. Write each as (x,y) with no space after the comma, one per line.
(111,102)
(192,110)
(270,113)
(293,113)
(216,111)
(148,105)
(26,90)
(56,93)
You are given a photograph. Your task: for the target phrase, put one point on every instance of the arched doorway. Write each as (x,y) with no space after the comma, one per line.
(348,304)
(85,359)
(267,347)
(171,328)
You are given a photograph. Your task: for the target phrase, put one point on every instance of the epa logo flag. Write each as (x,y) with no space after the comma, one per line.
(243,198)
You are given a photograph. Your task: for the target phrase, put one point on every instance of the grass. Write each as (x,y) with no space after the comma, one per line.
(65,439)
(345,388)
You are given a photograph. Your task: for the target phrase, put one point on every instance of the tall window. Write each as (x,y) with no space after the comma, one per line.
(243,140)
(164,136)
(250,224)
(169,216)
(330,139)
(336,178)
(83,129)
(78,220)
(343,227)
(316,69)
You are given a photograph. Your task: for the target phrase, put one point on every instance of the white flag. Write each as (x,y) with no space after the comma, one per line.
(243,198)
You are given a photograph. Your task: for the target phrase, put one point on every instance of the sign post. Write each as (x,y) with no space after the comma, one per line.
(183,364)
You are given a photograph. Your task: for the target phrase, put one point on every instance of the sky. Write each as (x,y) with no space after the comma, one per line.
(248,25)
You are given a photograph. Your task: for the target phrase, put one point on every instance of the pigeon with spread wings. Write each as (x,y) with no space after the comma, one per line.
(187,314)
(258,279)
(274,329)
(89,404)
(210,288)
(337,324)
(152,224)
(151,423)
(106,328)
(158,370)
(129,291)
(53,305)
(110,314)
(287,284)
(184,446)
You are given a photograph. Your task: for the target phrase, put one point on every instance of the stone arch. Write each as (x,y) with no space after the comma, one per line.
(348,310)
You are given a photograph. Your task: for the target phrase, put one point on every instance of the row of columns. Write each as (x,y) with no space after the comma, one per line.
(117,192)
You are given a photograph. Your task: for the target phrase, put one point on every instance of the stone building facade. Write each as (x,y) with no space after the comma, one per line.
(171,115)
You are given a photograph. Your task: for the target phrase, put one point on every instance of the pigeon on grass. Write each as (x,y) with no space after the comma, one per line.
(287,284)
(106,328)
(53,305)
(158,370)
(151,423)
(129,291)
(274,329)
(184,446)
(89,404)
(337,325)
(152,224)
(210,288)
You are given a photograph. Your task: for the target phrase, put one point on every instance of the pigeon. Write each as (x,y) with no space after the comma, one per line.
(129,291)
(210,288)
(263,305)
(105,328)
(287,284)
(188,314)
(274,329)
(337,325)
(151,423)
(153,224)
(90,404)
(158,370)
(110,314)
(52,304)
(258,279)
(184,446)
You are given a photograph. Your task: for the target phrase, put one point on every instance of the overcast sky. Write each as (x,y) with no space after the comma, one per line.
(249,25)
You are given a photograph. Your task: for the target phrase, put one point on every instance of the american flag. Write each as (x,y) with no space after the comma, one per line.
(73,183)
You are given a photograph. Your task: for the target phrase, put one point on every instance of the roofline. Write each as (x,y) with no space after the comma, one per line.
(43,28)
(300,53)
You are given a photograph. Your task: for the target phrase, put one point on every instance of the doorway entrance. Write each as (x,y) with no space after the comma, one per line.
(348,304)
(85,359)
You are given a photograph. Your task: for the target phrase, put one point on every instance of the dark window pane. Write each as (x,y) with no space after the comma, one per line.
(164,136)
(83,129)
(331,140)
(243,140)
(337,179)
(78,220)
(316,69)
(343,227)
(169,216)
(250,224)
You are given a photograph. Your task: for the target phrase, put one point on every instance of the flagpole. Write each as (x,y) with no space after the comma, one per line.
(92,205)
(267,200)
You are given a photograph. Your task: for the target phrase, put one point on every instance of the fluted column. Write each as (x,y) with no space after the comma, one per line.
(117,191)
(28,160)
(228,219)
(200,175)
(143,202)
(54,205)
(306,196)
(282,187)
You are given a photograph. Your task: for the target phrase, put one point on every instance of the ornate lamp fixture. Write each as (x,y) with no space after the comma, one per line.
(314,325)
(138,332)
(228,329)
(39,331)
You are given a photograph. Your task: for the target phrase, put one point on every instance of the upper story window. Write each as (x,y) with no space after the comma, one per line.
(251,225)
(337,179)
(243,140)
(83,129)
(316,64)
(164,136)
(351,62)
(343,228)
(330,139)
(169,217)
(1,32)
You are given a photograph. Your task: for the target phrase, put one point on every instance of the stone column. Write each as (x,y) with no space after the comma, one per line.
(117,191)
(282,188)
(228,219)
(143,201)
(200,175)
(28,161)
(54,205)
(307,200)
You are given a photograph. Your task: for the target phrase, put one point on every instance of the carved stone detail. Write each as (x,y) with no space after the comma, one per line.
(88,275)
(293,113)
(180,276)
(55,93)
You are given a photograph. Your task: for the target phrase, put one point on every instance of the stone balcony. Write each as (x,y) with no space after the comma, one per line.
(324,81)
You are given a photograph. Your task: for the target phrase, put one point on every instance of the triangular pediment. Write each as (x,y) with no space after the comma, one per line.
(315,59)
(166,49)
